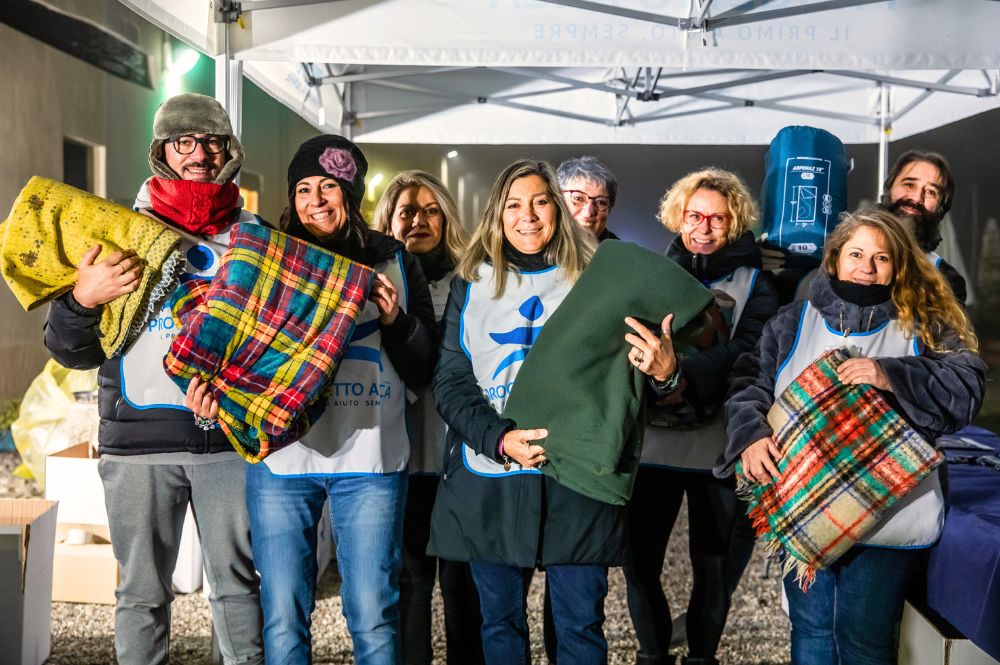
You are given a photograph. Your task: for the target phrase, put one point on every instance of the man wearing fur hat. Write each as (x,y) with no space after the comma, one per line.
(156,458)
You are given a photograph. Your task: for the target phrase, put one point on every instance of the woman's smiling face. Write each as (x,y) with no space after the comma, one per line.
(865,258)
(529,215)
(319,203)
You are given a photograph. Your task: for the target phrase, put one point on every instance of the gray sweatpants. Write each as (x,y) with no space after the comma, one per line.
(146,506)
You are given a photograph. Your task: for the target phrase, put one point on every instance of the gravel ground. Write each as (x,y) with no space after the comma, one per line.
(757,631)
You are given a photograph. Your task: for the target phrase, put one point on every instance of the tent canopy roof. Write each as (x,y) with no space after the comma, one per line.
(582,71)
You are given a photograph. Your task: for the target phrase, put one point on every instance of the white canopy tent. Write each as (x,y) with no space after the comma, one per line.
(602,71)
(579,71)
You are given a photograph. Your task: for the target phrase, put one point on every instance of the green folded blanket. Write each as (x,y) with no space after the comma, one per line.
(577,381)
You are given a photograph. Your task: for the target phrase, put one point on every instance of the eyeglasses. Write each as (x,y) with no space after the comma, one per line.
(187,144)
(693,219)
(580,199)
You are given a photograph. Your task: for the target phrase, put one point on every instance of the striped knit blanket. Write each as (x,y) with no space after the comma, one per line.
(51,227)
(267,333)
(847,456)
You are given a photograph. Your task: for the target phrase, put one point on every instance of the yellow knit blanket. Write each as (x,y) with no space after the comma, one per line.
(51,227)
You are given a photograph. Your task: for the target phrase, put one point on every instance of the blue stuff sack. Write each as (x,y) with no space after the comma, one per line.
(805,190)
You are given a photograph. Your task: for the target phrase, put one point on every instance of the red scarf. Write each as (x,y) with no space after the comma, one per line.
(201,208)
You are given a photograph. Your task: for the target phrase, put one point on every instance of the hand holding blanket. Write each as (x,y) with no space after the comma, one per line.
(52,226)
(577,381)
(847,457)
(267,334)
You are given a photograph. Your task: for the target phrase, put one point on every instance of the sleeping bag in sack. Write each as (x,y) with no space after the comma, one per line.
(805,190)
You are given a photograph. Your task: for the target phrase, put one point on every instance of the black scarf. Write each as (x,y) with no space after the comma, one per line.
(526,262)
(862,295)
(436,263)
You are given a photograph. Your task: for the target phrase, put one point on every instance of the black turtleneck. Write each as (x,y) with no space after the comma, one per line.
(436,263)
(708,268)
(526,262)
(862,295)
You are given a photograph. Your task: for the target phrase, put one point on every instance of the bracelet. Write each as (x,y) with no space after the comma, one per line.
(205,423)
(672,382)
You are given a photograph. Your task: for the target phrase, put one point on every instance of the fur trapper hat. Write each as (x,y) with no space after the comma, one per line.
(191,113)
(331,156)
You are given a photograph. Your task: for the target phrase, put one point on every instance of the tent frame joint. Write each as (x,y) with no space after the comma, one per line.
(228,11)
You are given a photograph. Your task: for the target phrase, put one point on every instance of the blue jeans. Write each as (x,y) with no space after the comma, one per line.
(578,594)
(366,512)
(851,613)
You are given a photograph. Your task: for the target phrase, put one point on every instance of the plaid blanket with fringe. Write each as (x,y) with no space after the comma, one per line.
(847,456)
(267,333)
(52,225)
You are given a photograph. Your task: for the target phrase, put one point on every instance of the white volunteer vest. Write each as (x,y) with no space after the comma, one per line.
(427,449)
(699,448)
(917,519)
(145,385)
(496,335)
(363,430)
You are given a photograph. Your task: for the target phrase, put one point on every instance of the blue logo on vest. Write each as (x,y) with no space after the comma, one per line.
(525,336)
(360,352)
(200,257)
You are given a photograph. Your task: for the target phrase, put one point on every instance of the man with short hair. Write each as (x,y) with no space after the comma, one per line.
(590,189)
(156,457)
(919,189)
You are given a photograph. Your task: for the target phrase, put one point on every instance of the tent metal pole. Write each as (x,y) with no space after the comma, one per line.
(885,127)
(922,97)
(229,81)
(910,83)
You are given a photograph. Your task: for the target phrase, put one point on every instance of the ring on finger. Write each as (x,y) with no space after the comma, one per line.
(638,357)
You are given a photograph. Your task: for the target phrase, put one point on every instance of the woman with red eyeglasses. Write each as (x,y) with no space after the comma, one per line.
(712,213)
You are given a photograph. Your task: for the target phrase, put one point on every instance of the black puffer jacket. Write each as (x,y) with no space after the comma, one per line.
(937,393)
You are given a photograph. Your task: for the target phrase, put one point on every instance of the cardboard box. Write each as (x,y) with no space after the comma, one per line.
(71,478)
(27,536)
(84,572)
(922,643)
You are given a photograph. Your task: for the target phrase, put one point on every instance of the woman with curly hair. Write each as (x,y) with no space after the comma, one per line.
(877,294)
(418,210)
(712,212)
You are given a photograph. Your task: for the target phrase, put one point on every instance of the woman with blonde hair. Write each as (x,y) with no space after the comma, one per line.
(878,295)
(494,507)
(712,213)
(418,210)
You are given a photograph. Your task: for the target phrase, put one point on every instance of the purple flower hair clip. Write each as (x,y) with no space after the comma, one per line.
(338,163)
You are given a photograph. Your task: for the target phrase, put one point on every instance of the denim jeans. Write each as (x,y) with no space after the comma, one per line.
(366,512)
(851,613)
(578,594)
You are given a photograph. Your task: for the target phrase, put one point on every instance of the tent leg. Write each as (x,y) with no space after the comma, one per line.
(229,83)
(885,128)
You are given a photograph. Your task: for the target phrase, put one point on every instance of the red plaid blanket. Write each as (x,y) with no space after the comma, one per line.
(267,334)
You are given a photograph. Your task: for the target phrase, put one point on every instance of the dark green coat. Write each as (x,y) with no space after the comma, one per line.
(527,520)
